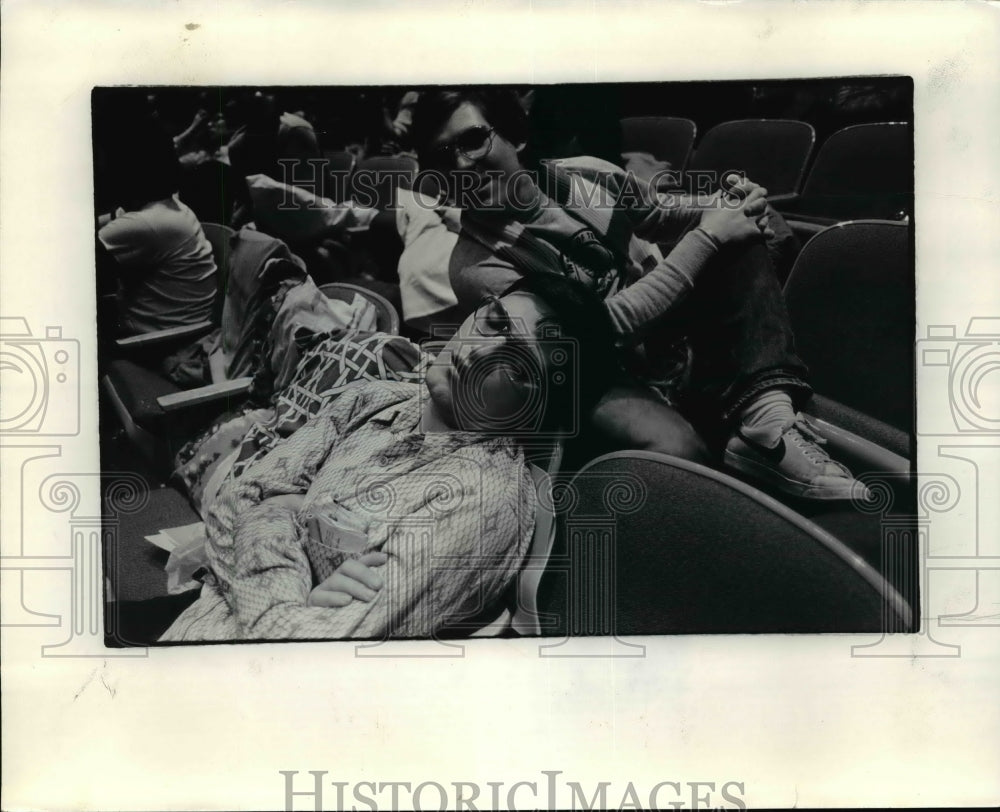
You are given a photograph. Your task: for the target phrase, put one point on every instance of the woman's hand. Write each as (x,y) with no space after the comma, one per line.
(356,579)
(738,213)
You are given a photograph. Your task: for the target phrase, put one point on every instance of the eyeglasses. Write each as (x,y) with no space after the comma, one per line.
(492,319)
(472,144)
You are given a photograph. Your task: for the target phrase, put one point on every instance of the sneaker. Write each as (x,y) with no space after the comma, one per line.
(795,463)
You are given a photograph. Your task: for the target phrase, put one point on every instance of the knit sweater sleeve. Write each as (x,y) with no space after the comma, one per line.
(635,308)
(653,218)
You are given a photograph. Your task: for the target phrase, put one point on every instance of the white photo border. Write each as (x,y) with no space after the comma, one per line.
(794,720)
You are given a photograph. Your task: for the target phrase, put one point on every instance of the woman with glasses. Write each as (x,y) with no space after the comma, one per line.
(716,287)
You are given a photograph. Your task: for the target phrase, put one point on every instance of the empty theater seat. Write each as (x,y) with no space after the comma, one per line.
(771,152)
(851,301)
(650,544)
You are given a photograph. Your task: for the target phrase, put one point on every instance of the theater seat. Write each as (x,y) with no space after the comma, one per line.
(772,152)
(339,168)
(375,180)
(851,301)
(651,544)
(862,171)
(665,138)
(387,317)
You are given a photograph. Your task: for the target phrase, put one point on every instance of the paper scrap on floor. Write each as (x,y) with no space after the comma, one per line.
(186,545)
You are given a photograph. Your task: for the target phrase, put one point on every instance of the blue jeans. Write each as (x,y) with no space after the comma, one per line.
(737,327)
(740,335)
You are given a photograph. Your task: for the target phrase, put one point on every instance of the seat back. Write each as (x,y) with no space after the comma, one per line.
(651,544)
(665,138)
(339,169)
(386,317)
(375,180)
(220,237)
(771,152)
(851,301)
(865,170)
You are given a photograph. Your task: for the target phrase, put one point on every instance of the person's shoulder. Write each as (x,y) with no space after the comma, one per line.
(475,270)
(139,224)
(171,217)
(589,167)
(592,172)
(469,251)
(291,120)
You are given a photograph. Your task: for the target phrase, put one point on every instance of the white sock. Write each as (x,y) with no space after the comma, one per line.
(768,415)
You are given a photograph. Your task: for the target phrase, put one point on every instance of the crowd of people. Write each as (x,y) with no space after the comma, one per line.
(573,304)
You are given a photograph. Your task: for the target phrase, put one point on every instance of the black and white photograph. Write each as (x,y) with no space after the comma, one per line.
(478,360)
(499,406)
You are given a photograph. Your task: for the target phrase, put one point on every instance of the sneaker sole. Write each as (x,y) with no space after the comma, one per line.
(758,470)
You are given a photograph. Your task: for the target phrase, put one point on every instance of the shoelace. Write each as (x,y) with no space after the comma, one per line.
(805,437)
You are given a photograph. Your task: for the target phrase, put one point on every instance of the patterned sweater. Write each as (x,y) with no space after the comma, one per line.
(597,232)
(454,512)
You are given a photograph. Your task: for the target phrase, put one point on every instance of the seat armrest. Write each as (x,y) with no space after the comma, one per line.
(778,200)
(864,455)
(160,337)
(204,394)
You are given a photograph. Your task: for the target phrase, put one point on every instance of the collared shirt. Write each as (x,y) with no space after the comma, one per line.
(453,511)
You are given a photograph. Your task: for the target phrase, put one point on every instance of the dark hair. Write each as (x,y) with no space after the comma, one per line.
(582,318)
(500,107)
(135,161)
(144,168)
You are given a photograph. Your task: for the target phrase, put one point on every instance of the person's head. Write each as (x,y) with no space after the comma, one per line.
(140,166)
(530,362)
(472,132)
(134,157)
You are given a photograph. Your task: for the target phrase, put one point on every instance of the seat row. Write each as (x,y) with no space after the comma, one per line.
(850,299)
(861,171)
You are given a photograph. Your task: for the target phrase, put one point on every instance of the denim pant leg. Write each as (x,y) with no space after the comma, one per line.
(741,338)
(783,247)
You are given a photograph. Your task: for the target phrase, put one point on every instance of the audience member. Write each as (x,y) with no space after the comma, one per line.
(716,286)
(167,275)
(400,509)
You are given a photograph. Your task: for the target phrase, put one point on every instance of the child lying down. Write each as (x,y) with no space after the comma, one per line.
(397,508)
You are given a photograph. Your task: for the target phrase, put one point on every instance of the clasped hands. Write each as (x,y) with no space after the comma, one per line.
(737,212)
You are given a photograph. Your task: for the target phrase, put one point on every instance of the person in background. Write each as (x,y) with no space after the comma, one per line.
(166,271)
(716,287)
(401,508)
(397,114)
